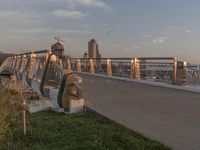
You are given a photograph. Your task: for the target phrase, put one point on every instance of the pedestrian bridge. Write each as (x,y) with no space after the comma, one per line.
(150,95)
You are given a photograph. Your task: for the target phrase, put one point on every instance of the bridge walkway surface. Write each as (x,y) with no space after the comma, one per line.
(170,116)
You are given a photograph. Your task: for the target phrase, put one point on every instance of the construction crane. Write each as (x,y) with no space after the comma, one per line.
(59,39)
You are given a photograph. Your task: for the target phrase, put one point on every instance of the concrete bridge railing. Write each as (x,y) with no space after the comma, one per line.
(44,72)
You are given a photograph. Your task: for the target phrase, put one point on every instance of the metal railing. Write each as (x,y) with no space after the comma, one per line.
(156,68)
(161,69)
(45,68)
(193,75)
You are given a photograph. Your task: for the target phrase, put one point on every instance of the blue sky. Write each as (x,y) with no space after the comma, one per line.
(123,28)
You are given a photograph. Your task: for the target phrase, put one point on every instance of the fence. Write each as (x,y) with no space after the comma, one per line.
(47,70)
(162,69)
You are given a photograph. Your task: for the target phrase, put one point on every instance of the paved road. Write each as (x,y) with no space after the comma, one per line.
(167,115)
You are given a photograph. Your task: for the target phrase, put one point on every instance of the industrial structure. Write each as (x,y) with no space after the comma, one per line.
(57,48)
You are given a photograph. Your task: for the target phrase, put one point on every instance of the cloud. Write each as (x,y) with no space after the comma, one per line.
(42,30)
(69,14)
(109,30)
(188,31)
(157,41)
(146,36)
(136,47)
(180,29)
(160,40)
(89,3)
(17,15)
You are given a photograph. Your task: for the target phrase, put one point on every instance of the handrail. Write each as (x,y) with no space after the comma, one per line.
(35,52)
(128,58)
(45,74)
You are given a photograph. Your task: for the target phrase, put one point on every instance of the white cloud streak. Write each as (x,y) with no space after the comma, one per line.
(69,14)
(90,3)
(173,29)
(160,40)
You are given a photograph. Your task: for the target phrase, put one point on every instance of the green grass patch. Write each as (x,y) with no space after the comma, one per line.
(83,131)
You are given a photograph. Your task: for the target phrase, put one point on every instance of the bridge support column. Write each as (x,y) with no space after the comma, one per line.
(109,67)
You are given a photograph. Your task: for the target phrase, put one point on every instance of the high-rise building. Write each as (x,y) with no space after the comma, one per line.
(93,50)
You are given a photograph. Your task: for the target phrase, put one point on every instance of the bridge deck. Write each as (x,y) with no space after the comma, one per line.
(168,115)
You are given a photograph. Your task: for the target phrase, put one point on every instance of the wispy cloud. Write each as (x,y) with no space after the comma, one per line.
(136,47)
(173,29)
(89,3)
(69,14)
(160,40)
(109,30)
(156,41)
(38,31)
(18,15)
(188,31)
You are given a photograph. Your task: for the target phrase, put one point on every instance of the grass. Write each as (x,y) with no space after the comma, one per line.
(83,131)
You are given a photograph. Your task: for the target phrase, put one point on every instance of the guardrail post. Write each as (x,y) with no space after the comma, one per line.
(14,62)
(109,67)
(174,70)
(68,64)
(30,67)
(22,63)
(180,72)
(78,65)
(92,66)
(132,69)
(135,69)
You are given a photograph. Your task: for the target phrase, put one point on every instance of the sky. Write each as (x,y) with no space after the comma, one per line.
(122,28)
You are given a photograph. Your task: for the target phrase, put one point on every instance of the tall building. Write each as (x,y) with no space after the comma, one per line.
(93,50)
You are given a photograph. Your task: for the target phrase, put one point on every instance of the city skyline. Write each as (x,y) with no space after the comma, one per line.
(137,28)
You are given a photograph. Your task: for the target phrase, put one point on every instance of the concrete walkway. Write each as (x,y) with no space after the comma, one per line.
(168,115)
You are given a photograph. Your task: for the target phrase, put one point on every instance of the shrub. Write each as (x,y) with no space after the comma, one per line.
(10,106)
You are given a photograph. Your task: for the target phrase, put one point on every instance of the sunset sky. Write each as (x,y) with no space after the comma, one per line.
(123,28)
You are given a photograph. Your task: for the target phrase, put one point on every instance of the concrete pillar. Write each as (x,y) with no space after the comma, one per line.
(17,62)
(109,67)
(78,65)
(132,73)
(70,93)
(61,63)
(21,68)
(180,72)
(174,69)
(92,70)
(14,62)
(30,65)
(68,65)
(135,69)
(53,58)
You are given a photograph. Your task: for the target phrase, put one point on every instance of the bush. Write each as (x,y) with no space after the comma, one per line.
(10,106)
